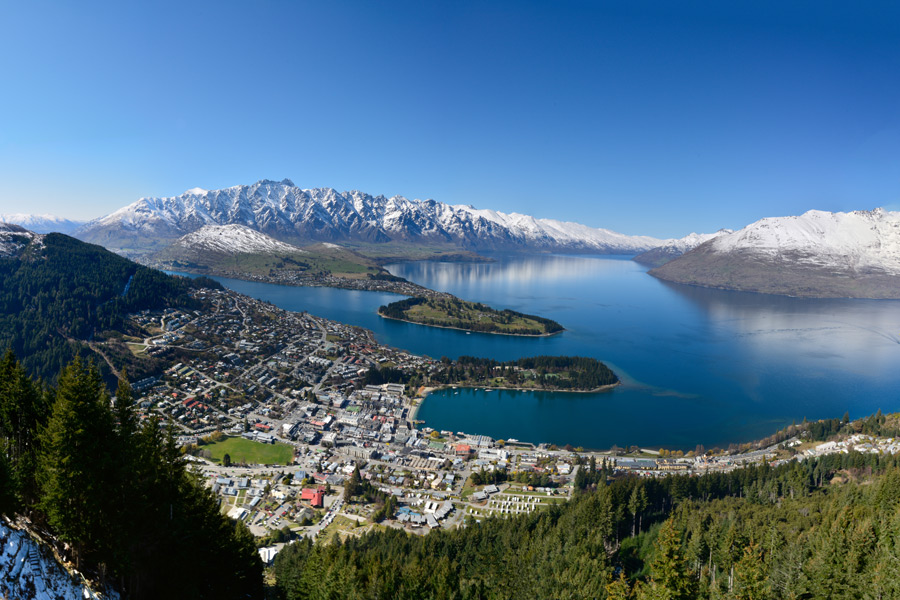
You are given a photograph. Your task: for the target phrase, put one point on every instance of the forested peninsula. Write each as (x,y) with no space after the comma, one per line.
(549,373)
(453,313)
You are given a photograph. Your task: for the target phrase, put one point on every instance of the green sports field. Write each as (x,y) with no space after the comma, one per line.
(250,452)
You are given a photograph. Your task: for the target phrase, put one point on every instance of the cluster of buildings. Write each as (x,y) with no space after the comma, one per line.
(250,370)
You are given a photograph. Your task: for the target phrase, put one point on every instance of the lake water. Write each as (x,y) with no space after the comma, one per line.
(698,366)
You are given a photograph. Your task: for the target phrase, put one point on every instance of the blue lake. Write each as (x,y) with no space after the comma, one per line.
(699,366)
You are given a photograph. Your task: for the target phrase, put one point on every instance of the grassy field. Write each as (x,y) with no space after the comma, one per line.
(250,452)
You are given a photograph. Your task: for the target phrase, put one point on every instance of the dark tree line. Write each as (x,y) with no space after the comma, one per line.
(556,372)
(115,490)
(757,533)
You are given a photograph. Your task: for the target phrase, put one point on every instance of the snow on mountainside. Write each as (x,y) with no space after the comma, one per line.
(550,232)
(13,239)
(286,212)
(855,254)
(672,249)
(860,240)
(29,572)
(231,239)
(42,223)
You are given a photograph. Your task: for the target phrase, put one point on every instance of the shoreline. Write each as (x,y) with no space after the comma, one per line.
(602,388)
(532,335)
(341,283)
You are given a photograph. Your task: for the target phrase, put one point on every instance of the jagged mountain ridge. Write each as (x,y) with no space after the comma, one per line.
(817,254)
(656,257)
(42,223)
(295,215)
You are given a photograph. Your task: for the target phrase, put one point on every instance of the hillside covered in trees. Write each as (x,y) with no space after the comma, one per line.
(115,491)
(471,316)
(825,528)
(57,293)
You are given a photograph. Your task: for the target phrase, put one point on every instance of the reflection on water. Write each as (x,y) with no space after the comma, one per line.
(699,364)
(548,269)
(859,335)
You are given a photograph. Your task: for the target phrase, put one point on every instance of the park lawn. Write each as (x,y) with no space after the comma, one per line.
(247,451)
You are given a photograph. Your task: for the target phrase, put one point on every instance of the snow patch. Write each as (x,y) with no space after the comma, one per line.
(232,239)
(28,571)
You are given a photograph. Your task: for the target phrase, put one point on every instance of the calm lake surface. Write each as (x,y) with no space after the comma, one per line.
(699,366)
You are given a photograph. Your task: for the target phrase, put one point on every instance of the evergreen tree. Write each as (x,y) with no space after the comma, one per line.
(22,408)
(75,461)
(670,576)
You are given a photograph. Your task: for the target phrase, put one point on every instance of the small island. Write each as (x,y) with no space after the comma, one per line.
(453,313)
(548,373)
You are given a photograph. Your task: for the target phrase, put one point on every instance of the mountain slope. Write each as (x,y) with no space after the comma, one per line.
(58,294)
(656,257)
(288,213)
(238,251)
(42,223)
(817,254)
(233,239)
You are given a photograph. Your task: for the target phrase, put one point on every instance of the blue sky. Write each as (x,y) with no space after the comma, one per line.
(656,118)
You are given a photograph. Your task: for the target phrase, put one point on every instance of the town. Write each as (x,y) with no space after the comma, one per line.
(282,415)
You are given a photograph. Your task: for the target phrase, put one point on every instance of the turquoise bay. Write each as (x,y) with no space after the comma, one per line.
(698,366)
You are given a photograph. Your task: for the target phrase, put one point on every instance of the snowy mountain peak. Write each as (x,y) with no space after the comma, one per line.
(865,239)
(819,253)
(233,239)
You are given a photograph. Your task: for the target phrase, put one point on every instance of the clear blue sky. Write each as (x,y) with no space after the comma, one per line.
(655,118)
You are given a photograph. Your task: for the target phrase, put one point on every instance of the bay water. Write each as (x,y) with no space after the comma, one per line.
(698,366)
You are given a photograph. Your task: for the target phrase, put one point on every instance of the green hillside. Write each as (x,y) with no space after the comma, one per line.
(58,293)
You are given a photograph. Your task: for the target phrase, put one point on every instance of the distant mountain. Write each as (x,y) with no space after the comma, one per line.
(238,251)
(817,254)
(298,216)
(672,249)
(233,239)
(42,223)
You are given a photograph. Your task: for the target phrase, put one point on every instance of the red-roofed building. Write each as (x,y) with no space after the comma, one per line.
(315,497)
(463,450)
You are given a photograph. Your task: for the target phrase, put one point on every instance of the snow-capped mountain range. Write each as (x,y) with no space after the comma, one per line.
(291,214)
(672,249)
(234,239)
(42,223)
(853,254)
